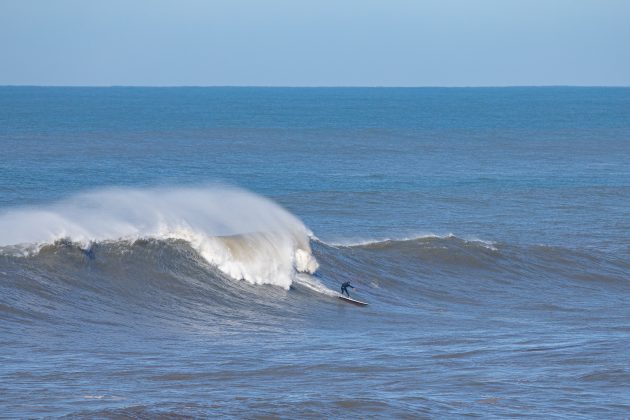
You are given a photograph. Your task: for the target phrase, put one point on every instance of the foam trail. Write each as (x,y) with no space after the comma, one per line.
(245,235)
(312,283)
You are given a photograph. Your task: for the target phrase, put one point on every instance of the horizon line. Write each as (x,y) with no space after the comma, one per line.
(320,86)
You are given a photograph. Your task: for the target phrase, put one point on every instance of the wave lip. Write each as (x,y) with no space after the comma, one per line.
(245,235)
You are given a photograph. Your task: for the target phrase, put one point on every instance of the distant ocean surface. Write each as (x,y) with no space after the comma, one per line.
(179,251)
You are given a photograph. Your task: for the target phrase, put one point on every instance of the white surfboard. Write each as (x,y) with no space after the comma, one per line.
(350,300)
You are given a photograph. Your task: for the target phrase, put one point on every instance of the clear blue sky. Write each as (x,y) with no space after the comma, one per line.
(315,42)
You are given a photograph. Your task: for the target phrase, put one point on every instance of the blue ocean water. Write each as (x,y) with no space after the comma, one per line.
(177,251)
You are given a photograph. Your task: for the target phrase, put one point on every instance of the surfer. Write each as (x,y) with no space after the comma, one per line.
(344,288)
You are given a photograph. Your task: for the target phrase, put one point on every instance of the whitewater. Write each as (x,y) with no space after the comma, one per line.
(178,252)
(246,236)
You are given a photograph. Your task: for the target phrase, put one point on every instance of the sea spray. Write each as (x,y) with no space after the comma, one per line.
(245,235)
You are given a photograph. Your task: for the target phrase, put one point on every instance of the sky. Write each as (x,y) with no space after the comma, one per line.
(315,42)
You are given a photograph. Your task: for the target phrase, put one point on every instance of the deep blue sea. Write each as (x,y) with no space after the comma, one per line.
(178,252)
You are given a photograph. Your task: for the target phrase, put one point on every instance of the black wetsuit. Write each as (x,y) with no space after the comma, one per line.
(344,288)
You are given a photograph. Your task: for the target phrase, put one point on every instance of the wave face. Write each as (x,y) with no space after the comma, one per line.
(439,269)
(194,245)
(245,235)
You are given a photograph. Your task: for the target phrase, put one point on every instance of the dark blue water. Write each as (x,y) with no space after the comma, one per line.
(489,229)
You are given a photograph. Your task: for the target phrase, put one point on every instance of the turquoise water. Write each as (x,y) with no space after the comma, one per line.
(487,227)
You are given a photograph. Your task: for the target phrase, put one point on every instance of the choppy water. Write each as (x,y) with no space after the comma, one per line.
(178,252)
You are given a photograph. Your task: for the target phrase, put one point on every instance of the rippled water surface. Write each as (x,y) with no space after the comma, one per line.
(179,252)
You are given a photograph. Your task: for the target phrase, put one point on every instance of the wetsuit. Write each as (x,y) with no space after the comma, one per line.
(344,288)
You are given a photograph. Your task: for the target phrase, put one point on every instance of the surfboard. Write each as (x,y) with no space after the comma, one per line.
(350,300)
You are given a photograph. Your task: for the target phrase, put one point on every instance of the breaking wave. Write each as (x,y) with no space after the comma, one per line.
(245,235)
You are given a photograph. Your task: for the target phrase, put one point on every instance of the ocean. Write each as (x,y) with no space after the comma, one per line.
(178,252)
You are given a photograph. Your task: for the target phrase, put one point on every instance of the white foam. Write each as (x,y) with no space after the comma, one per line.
(356,242)
(312,283)
(245,235)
